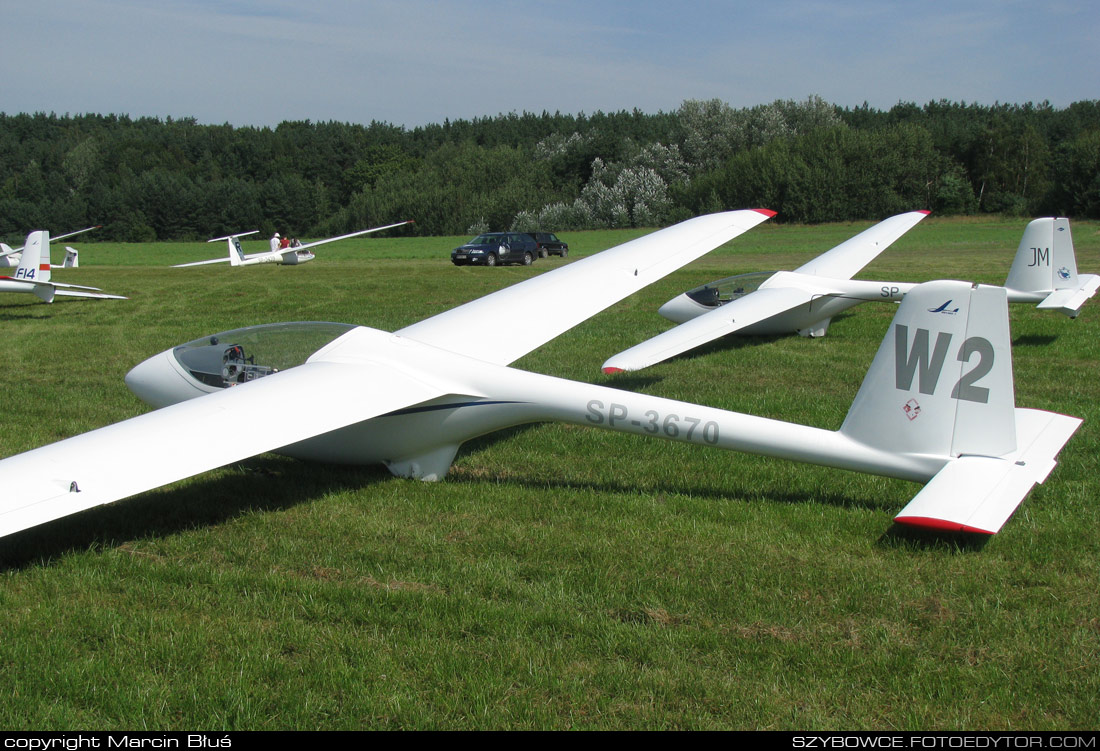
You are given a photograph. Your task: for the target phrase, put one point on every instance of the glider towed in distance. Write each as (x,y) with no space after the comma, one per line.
(409,399)
(287,257)
(805,300)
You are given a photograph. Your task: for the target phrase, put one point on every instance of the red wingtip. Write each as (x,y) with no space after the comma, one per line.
(613,371)
(766,212)
(939,525)
(926,213)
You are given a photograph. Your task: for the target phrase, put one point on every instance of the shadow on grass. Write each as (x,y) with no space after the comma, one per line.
(266,483)
(1034,340)
(263,483)
(727,492)
(905,537)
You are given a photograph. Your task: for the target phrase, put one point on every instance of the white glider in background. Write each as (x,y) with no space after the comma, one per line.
(33,274)
(10,257)
(937,403)
(805,300)
(287,256)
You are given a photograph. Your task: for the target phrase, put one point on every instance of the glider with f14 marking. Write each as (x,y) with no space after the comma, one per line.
(287,256)
(805,300)
(10,257)
(937,404)
(33,274)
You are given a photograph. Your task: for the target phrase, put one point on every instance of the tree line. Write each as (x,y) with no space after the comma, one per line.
(149,179)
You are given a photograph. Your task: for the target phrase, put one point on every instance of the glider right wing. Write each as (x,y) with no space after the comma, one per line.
(524,316)
(845,260)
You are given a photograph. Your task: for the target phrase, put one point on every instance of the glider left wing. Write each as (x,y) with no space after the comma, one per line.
(524,316)
(182,440)
(714,324)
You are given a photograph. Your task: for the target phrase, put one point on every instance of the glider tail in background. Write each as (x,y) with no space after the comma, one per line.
(941,384)
(35,268)
(1045,269)
(236,253)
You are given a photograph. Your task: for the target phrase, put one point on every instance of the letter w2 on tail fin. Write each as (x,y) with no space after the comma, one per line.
(941,384)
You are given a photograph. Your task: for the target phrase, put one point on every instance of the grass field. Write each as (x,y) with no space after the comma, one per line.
(560,577)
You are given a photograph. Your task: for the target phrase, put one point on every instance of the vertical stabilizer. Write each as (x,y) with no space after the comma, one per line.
(1033,269)
(72,258)
(34,265)
(1065,259)
(1045,269)
(236,253)
(941,383)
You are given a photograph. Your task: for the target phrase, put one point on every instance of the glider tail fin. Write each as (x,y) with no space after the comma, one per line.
(1045,269)
(236,253)
(72,258)
(34,265)
(941,382)
(941,386)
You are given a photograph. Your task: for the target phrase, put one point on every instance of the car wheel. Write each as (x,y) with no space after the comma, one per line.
(543,252)
(491,259)
(564,252)
(528,259)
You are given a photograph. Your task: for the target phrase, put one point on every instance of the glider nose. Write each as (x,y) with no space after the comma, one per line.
(682,309)
(159,381)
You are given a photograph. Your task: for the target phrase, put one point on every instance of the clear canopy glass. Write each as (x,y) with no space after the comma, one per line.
(243,355)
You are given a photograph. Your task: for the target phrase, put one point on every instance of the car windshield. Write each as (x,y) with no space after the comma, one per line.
(487,240)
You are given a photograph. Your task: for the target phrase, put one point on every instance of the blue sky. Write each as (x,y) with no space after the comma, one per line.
(412,62)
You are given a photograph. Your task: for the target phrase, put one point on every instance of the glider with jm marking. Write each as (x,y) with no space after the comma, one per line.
(937,404)
(287,257)
(773,303)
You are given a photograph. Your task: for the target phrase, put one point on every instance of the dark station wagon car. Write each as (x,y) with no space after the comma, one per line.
(549,244)
(494,248)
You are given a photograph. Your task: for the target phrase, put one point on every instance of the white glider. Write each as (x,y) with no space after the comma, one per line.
(409,399)
(10,257)
(805,300)
(287,257)
(33,274)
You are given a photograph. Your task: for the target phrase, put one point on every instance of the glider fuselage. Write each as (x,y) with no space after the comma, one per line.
(421,440)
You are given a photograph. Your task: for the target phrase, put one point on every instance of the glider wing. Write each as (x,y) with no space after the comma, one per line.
(845,260)
(175,442)
(714,324)
(503,326)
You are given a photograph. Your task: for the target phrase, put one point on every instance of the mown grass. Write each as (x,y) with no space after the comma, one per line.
(561,577)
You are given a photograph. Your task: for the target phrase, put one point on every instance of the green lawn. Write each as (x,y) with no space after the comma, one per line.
(561,577)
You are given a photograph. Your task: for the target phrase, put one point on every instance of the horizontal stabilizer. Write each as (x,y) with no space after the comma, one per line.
(1069,301)
(979,493)
(91,295)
